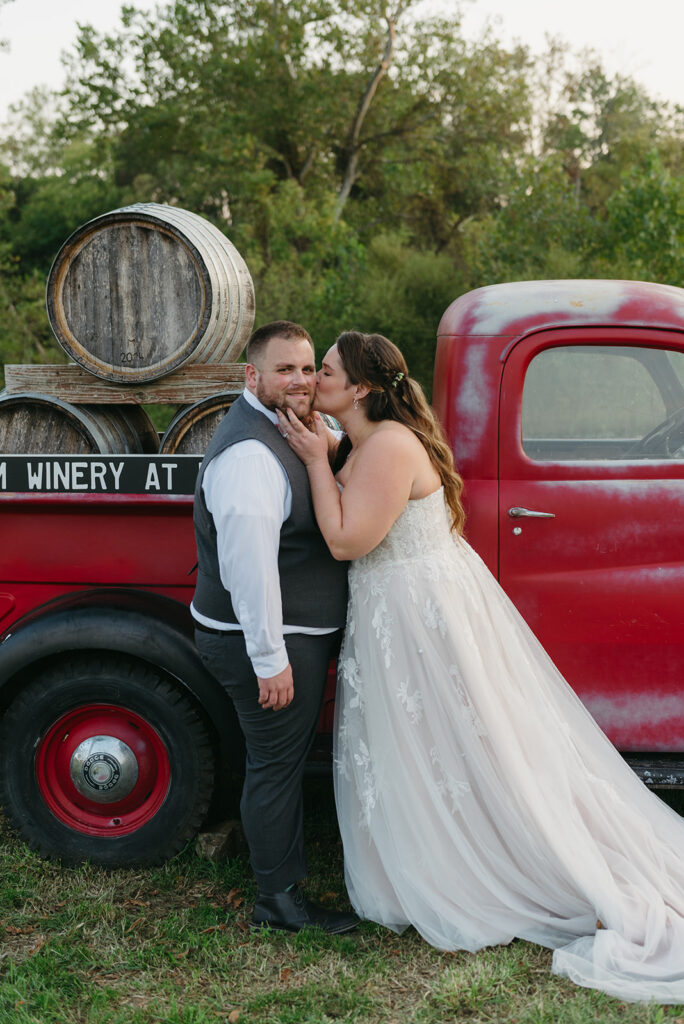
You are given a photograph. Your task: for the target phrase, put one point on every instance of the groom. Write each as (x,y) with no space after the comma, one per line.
(269,606)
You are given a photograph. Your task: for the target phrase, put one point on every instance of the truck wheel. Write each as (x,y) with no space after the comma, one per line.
(106,760)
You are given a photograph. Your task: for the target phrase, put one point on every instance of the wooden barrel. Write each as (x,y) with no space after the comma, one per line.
(42,425)
(139,291)
(191,429)
(331,422)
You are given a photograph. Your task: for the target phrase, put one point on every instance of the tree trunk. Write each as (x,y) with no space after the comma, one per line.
(354,145)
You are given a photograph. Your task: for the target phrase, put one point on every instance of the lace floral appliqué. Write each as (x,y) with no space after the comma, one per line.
(447,784)
(433,618)
(365,783)
(469,711)
(351,677)
(382,624)
(413,702)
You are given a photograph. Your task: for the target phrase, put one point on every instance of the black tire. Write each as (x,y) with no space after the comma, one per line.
(75,807)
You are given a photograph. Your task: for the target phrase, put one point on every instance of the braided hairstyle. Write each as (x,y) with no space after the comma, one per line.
(375,362)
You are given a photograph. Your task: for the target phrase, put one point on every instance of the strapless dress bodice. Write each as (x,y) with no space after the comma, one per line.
(422,530)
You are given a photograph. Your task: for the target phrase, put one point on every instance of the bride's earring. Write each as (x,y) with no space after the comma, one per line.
(355,403)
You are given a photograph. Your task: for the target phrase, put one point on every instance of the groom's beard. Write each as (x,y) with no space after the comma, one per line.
(300,400)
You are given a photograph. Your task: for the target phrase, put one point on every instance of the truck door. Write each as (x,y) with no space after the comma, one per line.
(591,518)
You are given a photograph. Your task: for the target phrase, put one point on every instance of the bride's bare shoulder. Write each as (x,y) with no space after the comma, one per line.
(392,461)
(389,433)
(392,443)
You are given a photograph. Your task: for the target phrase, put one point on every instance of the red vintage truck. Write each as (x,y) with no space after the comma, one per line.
(564,404)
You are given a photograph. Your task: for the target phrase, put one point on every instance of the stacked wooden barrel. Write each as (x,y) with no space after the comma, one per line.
(154,305)
(39,424)
(191,429)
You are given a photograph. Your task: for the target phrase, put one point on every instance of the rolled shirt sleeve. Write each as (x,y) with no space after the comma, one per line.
(248,494)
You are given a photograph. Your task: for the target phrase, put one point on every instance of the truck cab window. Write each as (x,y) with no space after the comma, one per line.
(590,402)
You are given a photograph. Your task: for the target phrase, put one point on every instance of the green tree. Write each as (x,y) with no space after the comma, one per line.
(25,334)
(368,162)
(212,105)
(601,127)
(643,237)
(539,232)
(304,130)
(403,295)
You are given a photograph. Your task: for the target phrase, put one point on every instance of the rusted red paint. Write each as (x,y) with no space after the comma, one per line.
(601,584)
(514,309)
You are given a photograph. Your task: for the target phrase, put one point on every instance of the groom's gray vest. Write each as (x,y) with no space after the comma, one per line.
(313,585)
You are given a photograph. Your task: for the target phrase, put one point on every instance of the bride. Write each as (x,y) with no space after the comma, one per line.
(477,798)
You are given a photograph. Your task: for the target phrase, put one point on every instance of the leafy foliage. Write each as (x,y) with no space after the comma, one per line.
(369,162)
(645,223)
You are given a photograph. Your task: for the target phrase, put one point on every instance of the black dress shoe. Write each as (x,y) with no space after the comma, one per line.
(291,911)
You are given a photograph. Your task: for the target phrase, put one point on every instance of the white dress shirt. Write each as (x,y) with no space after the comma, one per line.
(248,494)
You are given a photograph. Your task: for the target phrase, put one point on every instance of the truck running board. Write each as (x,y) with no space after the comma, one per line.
(658,771)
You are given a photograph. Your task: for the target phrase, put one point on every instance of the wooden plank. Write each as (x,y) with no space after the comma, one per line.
(73,384)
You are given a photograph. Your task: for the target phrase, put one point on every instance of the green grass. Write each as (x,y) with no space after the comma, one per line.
(172,945)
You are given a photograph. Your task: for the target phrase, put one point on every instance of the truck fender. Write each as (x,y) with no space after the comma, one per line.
(122,623)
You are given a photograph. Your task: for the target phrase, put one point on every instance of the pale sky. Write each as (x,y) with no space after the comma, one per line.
(641,38)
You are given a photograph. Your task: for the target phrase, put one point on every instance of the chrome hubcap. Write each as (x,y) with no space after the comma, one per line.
(104,769)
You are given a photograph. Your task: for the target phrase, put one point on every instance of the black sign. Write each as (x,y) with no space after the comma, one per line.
(99,474)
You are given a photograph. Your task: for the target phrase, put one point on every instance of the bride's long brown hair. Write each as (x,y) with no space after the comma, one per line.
(374,361)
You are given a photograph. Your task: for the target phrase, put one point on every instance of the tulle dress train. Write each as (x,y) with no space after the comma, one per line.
(478,800)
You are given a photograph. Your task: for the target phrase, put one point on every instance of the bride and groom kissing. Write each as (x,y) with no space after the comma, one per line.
(477,799)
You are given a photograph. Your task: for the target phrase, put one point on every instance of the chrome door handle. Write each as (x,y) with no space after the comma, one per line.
(519,513)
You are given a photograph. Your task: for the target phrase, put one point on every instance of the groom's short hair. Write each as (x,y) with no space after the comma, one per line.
(275,329)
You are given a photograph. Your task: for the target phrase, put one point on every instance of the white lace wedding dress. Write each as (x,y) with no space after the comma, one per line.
(477,798)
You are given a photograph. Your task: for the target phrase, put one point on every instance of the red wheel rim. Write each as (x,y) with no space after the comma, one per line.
(149,771)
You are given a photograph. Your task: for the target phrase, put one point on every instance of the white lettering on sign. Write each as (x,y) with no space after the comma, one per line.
(78,472)
(61,475)
(169,467)
(152,477)
(116,473)
(96,475)
(97,472)
(3,475)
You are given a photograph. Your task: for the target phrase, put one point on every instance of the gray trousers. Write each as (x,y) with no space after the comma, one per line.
(278,743)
